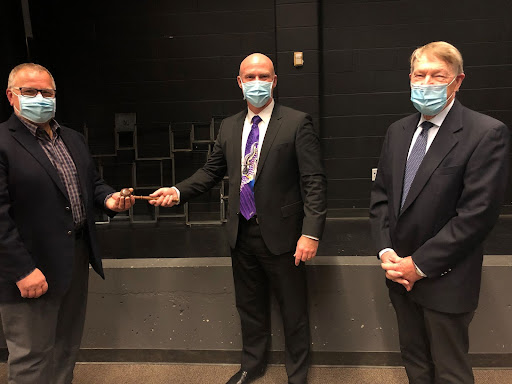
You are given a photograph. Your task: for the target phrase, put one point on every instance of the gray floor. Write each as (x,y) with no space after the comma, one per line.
(89,373)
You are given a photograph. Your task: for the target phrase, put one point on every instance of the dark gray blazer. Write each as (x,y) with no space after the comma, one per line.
(452,205)
(36,223)
(290,186)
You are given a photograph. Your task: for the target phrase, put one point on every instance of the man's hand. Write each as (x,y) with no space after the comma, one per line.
(390,257)
(117,203)
(33,285)
(306,249)
(389,261)
(167,197)
(400,270)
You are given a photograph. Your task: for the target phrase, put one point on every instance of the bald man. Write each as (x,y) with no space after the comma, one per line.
(276,215)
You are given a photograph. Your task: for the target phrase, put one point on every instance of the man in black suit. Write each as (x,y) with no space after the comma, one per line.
(48,190)
(276,214)
(439,188)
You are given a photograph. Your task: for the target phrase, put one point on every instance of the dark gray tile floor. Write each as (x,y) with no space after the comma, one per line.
(90,373)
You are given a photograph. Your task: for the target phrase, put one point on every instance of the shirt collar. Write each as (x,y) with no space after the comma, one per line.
(264,115)
(438,119)
(54,126)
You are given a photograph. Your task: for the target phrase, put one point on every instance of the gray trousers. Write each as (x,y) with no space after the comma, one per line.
(43,335)
(434,345)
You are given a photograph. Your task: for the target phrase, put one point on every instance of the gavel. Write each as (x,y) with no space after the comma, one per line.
(128,192)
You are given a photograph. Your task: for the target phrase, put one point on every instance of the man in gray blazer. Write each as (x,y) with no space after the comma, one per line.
(49,189)
(276,214)
(439,188)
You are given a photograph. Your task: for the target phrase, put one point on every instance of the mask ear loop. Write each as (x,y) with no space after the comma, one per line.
(18,96)
(453,94)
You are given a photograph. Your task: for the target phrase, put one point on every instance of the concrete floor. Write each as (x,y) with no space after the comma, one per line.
(107,373)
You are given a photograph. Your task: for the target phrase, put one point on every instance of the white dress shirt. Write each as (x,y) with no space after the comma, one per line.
(437,120)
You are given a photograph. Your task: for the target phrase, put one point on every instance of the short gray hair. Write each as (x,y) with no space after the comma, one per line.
(27,66)
(442,50)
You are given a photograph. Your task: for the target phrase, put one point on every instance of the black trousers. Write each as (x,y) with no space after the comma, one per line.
(256,271)
(434,345)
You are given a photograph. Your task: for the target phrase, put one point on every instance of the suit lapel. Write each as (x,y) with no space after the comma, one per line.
(237,146)
(272,129)
(77,159)
(400,158)
(29,142)
(443,143)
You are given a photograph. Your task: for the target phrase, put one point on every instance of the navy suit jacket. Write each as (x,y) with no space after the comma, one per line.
(453,203)
(36,223)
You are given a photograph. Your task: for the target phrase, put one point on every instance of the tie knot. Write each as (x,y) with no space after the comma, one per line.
(256,120)
(426,125)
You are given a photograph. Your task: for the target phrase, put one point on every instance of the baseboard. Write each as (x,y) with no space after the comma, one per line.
(391,359)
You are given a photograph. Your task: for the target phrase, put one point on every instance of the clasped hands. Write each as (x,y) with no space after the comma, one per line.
(400,269)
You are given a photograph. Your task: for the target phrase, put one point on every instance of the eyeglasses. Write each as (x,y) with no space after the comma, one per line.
(32,92)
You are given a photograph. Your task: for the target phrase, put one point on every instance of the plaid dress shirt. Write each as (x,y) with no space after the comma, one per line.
(59,156)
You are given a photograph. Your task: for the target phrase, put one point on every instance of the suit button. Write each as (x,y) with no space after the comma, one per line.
(70,233)
(68,208)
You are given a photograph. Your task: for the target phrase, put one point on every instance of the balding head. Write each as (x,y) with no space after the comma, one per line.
(26,68)
(258,60)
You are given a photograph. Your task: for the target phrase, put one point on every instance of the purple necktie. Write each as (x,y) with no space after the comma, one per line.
(250,161)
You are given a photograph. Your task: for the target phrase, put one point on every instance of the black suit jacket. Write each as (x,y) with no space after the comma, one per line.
(290,185)
(452,205)
(36,223)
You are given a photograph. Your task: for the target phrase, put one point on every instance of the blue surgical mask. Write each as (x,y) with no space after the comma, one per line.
(257,92)
(37,109)
(430,99)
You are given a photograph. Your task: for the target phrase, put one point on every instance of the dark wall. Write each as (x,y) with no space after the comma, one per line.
(365,66)
(12,42)
(176,62)
(297,29)
(167,61)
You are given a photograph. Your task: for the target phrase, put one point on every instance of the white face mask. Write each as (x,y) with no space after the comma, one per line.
(37,109)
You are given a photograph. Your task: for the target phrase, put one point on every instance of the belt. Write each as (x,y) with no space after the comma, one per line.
(80,233)
(253,220)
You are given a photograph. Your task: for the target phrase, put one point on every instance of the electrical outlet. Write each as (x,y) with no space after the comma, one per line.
(374,173)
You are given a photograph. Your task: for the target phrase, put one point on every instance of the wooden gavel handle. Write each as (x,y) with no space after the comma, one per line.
(145,197)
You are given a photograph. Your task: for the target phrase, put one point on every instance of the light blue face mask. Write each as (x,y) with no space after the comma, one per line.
(257,92)
(37,109)
(429,100)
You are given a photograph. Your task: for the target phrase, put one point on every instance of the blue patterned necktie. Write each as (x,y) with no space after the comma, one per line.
(415,159)
(250,161)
